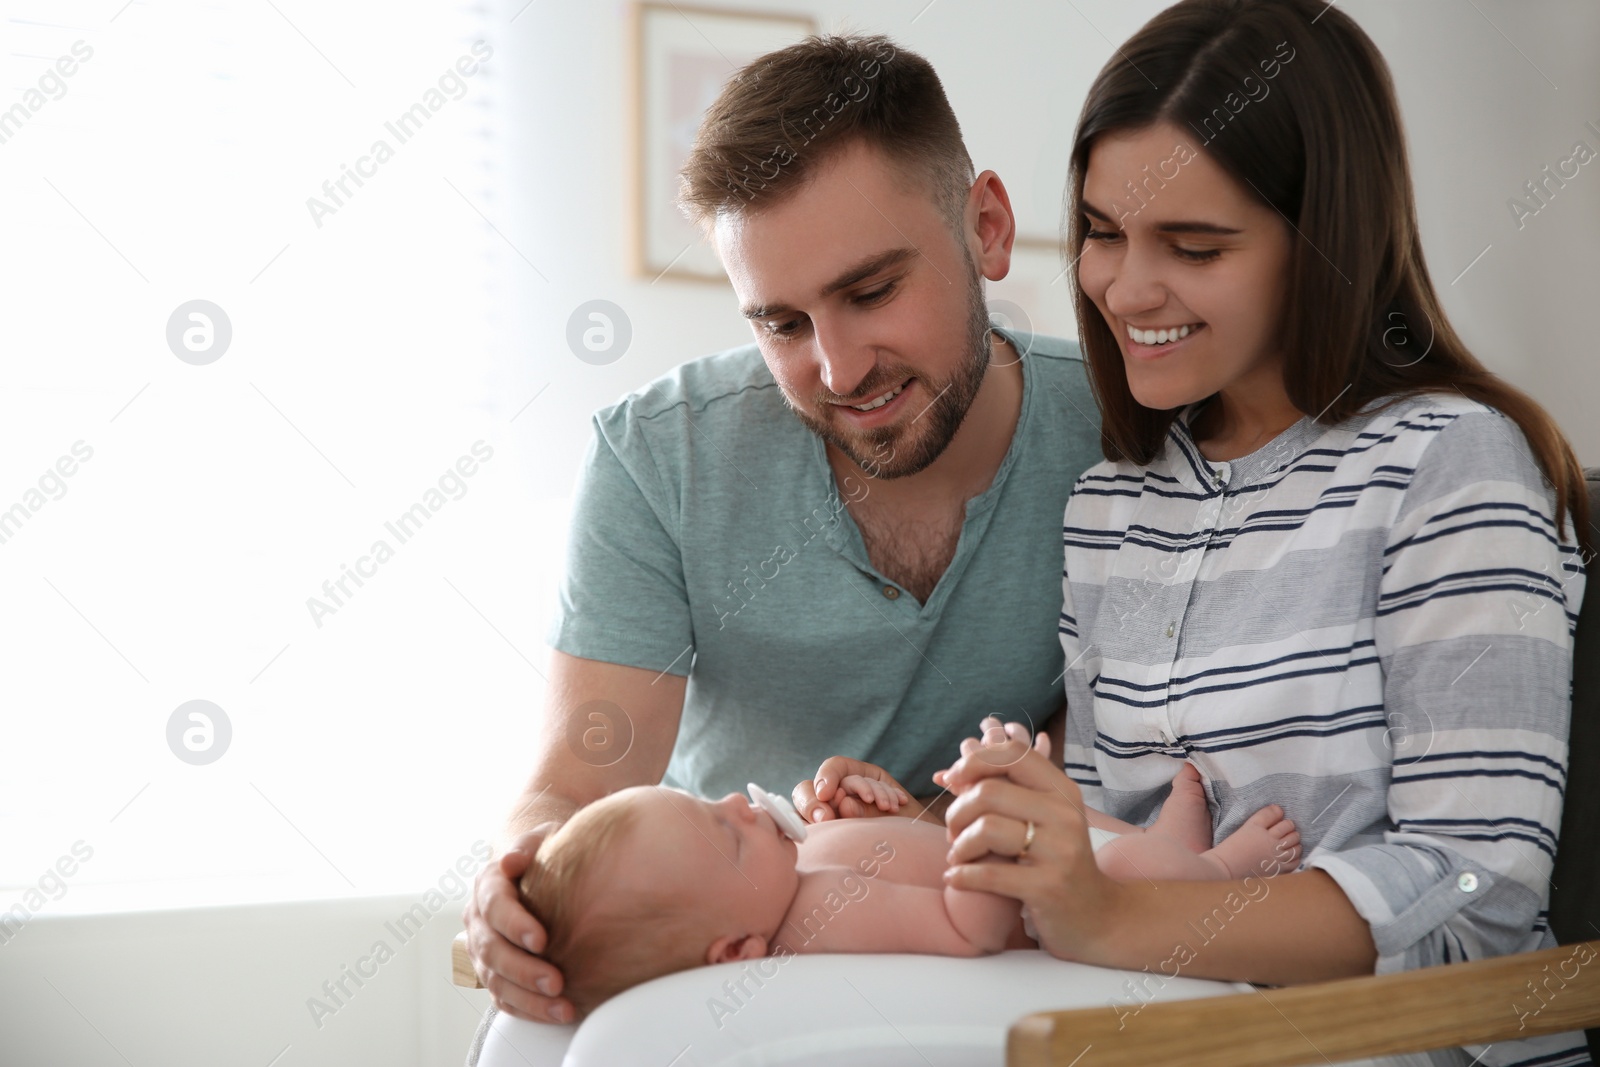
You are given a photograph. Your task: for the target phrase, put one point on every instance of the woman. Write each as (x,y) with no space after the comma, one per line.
(1329,559)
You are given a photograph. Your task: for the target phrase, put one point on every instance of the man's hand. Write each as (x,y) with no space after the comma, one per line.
(845,788)
(604,728)
(505,938)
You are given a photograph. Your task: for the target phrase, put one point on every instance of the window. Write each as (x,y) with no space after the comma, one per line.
(193,496)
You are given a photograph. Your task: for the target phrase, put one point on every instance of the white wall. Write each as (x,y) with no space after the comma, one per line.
(212,985)
(201,987)
(1484,115)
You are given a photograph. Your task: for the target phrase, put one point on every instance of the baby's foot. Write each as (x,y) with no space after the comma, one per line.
(1265,845)
(1185,816)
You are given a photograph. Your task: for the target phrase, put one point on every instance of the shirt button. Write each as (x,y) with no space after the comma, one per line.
(1171,626)
(891,593)
(1467,882)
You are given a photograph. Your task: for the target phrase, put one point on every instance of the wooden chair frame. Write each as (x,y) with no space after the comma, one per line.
(1331,1022)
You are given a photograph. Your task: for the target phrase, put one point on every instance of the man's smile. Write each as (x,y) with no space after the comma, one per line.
(878,409)
(884,398)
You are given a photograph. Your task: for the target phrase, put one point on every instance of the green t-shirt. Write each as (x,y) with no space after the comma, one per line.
(709,539)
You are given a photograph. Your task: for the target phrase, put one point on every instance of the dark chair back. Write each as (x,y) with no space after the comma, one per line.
(1575,884)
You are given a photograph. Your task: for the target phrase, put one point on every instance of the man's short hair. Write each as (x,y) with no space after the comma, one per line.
(779,117)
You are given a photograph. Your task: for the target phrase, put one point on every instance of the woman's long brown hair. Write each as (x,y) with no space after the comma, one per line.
(1294,101)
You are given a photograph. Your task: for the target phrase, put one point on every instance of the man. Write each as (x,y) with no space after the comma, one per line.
(842,539)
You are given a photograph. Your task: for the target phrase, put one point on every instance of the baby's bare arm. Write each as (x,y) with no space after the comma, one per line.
(896,901)
(986,920)
(837,911)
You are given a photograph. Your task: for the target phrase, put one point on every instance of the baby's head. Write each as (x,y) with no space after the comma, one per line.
(650,880)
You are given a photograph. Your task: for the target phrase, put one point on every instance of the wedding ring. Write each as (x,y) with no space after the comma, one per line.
(1027,841)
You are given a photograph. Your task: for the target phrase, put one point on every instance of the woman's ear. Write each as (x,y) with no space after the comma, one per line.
(728,948)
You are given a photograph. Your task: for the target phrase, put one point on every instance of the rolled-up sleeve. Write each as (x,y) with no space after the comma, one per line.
(1476,611)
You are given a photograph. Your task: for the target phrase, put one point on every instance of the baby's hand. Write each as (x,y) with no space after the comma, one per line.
(845,788)
(873,792)
(1001,738)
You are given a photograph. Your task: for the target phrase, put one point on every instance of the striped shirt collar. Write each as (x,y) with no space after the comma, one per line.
(1182,459)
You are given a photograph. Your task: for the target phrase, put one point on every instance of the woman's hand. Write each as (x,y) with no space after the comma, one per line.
(851,789)
(1002,785)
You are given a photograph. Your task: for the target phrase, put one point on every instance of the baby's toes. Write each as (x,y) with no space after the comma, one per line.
(1267,816)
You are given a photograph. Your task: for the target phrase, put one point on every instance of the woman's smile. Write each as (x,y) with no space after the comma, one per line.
(1147,350)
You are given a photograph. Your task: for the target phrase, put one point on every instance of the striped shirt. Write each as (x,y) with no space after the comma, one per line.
(1369,624)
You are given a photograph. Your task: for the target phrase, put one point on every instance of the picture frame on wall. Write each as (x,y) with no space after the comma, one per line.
(683,55)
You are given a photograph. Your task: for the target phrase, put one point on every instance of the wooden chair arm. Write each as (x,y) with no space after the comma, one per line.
(1485,1001)
(461,972)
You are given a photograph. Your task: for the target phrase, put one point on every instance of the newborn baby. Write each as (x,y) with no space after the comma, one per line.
(650,881)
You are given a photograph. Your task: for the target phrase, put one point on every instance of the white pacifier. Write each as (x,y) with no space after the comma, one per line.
(782,812)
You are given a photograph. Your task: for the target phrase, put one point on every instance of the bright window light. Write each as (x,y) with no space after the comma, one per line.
(255,455)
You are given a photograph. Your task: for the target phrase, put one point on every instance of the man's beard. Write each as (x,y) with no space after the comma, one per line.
(901,450)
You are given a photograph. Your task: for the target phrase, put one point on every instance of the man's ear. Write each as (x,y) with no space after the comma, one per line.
(994,226)
(728,948)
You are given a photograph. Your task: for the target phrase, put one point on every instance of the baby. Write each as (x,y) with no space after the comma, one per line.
(649,881)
